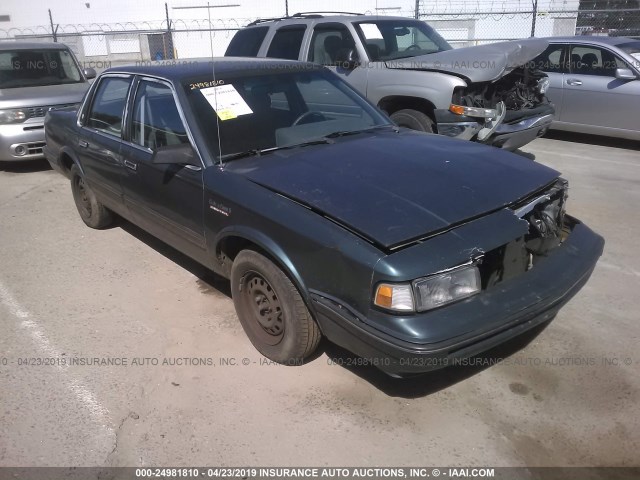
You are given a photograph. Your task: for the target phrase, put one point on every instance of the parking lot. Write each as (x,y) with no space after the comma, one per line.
(185,387)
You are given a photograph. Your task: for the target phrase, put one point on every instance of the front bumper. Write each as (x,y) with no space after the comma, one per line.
(489,318)
(23,141)
(516,130)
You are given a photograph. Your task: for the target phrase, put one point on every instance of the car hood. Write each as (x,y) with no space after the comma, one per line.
(393,188)
(483,63)
(42,96)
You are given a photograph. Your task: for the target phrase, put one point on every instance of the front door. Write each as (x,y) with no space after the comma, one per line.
(330,43)
(592,93)
(166,199)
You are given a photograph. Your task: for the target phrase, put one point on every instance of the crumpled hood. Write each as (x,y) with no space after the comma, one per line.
(483,63)
(42,96)
(393,188)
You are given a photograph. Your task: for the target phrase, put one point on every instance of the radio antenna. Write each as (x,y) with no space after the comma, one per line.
(215,83)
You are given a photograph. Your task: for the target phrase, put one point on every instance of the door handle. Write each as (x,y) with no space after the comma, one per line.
(574,82)
(83,144)
(131,165)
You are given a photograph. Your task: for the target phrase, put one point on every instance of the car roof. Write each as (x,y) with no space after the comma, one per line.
(308,18)
(177,70)
(9,45)
(595,39)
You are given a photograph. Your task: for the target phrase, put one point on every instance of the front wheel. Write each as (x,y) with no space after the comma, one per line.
(414,120)
(271,310)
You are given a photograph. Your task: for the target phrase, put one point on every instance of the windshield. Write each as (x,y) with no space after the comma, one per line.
(633,49)
(34,68)
(277,110)
(393,39)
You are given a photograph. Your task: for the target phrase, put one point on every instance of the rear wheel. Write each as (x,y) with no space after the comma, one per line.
(414,120)
(93,213)
(271,310)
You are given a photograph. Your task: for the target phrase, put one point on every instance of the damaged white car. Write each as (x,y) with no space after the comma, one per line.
(490,94)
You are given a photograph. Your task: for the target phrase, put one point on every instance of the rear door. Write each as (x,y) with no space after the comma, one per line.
(592,93)
(166,199)
(99,142)
(553,62)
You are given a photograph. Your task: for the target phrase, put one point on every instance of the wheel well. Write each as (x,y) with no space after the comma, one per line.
(229,247)
(395,103)
(66,161)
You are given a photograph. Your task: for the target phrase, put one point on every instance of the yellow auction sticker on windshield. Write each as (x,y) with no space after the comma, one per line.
(226,101)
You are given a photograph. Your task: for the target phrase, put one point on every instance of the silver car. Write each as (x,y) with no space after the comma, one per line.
(594,84)
(35,78)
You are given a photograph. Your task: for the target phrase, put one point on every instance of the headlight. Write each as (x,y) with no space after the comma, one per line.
(543,85)
(12,116)
(451,286)
(397,297)
(429,292)
(473,111)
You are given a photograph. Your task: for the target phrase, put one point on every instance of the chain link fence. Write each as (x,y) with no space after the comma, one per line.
(173,33)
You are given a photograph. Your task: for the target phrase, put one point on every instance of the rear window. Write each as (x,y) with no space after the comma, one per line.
(246,43)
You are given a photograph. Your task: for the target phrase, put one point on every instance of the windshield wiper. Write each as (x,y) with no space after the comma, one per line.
(344,133)
(255,152)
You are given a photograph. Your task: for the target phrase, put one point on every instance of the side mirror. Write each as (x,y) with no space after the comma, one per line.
(181,154)
(347,58)
(90,73)
(625,74)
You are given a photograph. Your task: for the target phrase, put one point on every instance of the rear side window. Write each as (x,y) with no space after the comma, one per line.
(286,43)
(108,105)
(156,121)
(551,59)
(246,43)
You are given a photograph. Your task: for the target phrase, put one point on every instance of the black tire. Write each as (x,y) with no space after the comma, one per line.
(271,310)
(414,120)
(92,212)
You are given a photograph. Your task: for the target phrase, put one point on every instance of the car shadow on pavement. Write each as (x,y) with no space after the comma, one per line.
(432,382)
(26,166)
(589,139)
(206,277)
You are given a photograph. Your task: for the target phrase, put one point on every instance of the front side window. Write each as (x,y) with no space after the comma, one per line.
(286,43)
(37,67)
(394,39)
(276,109)
(107,108)
(588,60)
(330,44)
(156,122)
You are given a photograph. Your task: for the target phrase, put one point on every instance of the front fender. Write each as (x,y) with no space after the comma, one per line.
(269,246)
